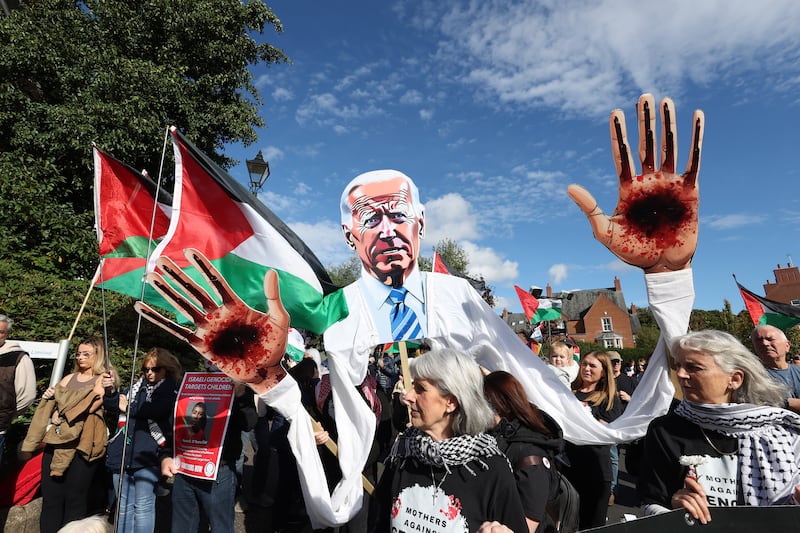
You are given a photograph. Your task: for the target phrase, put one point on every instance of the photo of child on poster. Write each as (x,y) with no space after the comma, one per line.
(201,420)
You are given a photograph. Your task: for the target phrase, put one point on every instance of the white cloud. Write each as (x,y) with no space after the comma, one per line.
(619,266)
(301,189)
(411,97)
(281,94)
(501,302)
(326,109)
(325,240)
(272,153)
(584,55)
(426,114)
(723,222)
(558,273)
(486,262)
(449,217)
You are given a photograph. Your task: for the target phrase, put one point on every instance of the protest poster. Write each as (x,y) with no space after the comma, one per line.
(202,412)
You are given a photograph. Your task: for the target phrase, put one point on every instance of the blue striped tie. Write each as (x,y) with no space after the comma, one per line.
(405,324)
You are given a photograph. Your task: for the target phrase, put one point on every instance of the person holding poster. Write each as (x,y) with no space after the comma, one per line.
(727,443)
(383,221)
(203,464)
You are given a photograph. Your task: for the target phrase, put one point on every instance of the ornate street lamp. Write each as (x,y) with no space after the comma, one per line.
(259,172)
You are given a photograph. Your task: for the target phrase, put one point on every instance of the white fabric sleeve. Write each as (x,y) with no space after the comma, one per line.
(356,427)
(461,320)
(25,384)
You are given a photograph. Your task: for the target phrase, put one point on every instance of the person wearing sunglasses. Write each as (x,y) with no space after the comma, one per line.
(147,409)
(69,421)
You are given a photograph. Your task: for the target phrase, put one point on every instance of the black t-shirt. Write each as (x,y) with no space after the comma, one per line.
(668,439)
(468,496)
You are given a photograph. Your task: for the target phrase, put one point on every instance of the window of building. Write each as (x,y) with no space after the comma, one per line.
(607,323)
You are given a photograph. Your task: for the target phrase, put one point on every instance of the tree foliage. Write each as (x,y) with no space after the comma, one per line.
(114,72)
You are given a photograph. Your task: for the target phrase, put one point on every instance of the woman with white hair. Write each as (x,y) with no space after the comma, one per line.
(444,472)
(728,442)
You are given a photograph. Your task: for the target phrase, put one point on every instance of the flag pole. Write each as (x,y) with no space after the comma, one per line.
(86,299)
(63,345)
(334,449)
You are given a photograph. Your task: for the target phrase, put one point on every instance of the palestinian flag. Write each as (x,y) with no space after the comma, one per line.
(548,310)
(129,223)
(217,215)
(529,303)
(769,312)
(438,264)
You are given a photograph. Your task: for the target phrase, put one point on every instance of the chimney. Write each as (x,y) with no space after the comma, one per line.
(633,309)
(505,313)
(549,291)
(617,286)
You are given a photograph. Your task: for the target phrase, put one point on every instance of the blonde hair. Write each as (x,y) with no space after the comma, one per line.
(162,357)
(99,357)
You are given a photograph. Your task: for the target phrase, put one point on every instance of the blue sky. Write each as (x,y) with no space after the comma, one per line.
(494,107)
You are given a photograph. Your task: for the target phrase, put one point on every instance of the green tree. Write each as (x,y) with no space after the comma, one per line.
(346,272)
(647,338)
(454,255)
(114,72)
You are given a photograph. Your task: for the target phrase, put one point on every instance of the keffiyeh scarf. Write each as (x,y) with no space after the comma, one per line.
(155,429)
(768,438)
(460,450)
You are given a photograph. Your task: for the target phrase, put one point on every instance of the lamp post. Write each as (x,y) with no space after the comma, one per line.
(259,172)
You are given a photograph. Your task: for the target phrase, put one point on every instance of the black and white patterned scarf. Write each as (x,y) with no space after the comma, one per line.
(460,450)
(768,438)
(155,429)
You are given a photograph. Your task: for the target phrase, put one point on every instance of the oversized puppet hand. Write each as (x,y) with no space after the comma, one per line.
(244,343)
(654,225)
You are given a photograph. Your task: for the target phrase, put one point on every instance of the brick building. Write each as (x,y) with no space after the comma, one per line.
(598,315)
(786,288)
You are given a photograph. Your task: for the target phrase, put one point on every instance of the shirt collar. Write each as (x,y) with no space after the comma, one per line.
(377,294)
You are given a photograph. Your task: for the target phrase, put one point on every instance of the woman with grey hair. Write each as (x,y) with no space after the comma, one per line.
(445,472)
(728,442)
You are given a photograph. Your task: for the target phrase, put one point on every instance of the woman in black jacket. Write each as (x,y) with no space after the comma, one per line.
(531,441)
(152,400)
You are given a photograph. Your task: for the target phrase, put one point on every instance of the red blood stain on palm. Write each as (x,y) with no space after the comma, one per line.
(239,340)
(663,216)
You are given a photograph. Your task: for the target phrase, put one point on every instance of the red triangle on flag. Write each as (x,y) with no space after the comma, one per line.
(204,214)
(529,303)
(438,264)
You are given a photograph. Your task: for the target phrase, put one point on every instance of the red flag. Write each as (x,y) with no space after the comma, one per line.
(438,264)
(529,303)
(762,311)
(126,213)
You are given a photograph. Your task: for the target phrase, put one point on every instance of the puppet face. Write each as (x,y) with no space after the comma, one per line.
(385,230)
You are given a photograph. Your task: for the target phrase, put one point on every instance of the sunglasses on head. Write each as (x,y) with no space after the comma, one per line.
(146,369)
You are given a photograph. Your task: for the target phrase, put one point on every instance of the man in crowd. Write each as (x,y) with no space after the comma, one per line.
(771,346)
(17,380)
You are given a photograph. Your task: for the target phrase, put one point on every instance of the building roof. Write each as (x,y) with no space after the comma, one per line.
(575,304)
